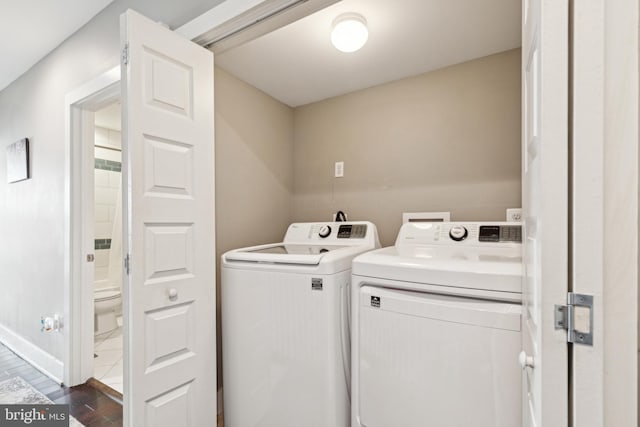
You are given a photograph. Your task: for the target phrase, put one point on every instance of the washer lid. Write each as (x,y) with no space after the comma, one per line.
(498,269)
(281,253)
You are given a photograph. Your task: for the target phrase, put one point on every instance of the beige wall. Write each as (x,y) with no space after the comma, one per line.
(254,175)
(447,140)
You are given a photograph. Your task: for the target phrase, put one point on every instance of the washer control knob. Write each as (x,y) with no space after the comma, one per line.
(458,233)
(325,230)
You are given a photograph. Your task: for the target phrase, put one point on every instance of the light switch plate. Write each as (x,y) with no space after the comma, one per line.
(338,170)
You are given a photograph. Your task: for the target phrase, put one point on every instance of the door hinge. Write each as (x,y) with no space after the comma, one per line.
(125,54)
(565,316)
(126,264)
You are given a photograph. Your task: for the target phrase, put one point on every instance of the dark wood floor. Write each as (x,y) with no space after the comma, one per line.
(88,405)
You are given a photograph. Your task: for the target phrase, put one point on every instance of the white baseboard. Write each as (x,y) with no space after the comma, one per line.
(219,400)
(34,355)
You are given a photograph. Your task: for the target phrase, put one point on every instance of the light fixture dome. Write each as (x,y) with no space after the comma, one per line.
(350,32)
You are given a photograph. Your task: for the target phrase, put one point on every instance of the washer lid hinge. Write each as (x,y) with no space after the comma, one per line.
(565,318)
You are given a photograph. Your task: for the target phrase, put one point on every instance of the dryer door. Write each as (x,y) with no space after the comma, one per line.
(428,359)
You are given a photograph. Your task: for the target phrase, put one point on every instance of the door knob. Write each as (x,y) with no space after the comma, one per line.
(525,361)
(173,294)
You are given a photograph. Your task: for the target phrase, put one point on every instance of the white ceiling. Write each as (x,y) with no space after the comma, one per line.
(30,29)
(298,65)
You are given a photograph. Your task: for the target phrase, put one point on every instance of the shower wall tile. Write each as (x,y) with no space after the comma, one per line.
(101,136)
(107,138)
(108,154)
(101,178)
(107,178)
(102,258)
(101,244)
(106,195)
(108,165)
(101,213)
(101,273)
(103,230)
(105,203)
(101,264)
(114,180)
(115,138)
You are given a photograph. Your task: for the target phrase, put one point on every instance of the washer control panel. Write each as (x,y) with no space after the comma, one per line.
(336,233)
(325,231)
(352,231)
(344,231)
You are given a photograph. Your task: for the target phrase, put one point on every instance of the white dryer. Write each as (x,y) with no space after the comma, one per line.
(436,328)
(285,327)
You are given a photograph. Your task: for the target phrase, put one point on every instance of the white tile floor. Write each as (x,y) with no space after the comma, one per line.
(107,367)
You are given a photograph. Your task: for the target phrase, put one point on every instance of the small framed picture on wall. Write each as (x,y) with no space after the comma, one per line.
(18,161)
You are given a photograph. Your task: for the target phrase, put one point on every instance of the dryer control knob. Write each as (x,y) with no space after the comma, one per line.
(458,233)
(325,230)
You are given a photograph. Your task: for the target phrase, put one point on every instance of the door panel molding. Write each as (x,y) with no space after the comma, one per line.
(168,169)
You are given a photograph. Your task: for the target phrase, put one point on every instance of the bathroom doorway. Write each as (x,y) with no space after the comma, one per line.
(107,220)
(87,125)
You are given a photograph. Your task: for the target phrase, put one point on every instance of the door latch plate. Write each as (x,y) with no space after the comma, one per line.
(564,318)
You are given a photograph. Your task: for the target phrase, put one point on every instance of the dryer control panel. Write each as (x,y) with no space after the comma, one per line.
(500,233)
(461,233)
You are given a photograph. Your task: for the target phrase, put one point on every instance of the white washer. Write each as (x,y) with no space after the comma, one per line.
(285,327)
(436,328)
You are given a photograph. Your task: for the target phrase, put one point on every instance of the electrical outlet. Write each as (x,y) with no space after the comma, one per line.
(48,324)
(338,170)
(514,215)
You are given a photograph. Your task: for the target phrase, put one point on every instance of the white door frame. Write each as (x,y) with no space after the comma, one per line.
(605,210)
(80,106)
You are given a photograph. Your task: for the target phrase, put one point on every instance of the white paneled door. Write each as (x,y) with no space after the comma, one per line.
(167,105)
(545,148)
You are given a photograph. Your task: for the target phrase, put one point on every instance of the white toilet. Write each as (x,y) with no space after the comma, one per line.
(106,303)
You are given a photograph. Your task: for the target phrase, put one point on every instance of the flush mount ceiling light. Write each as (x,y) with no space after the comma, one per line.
(350,32)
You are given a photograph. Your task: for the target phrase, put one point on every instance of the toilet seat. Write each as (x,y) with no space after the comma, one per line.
(105,295)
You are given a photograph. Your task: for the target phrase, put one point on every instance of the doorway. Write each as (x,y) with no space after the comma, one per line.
(82,107)
(107,219)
